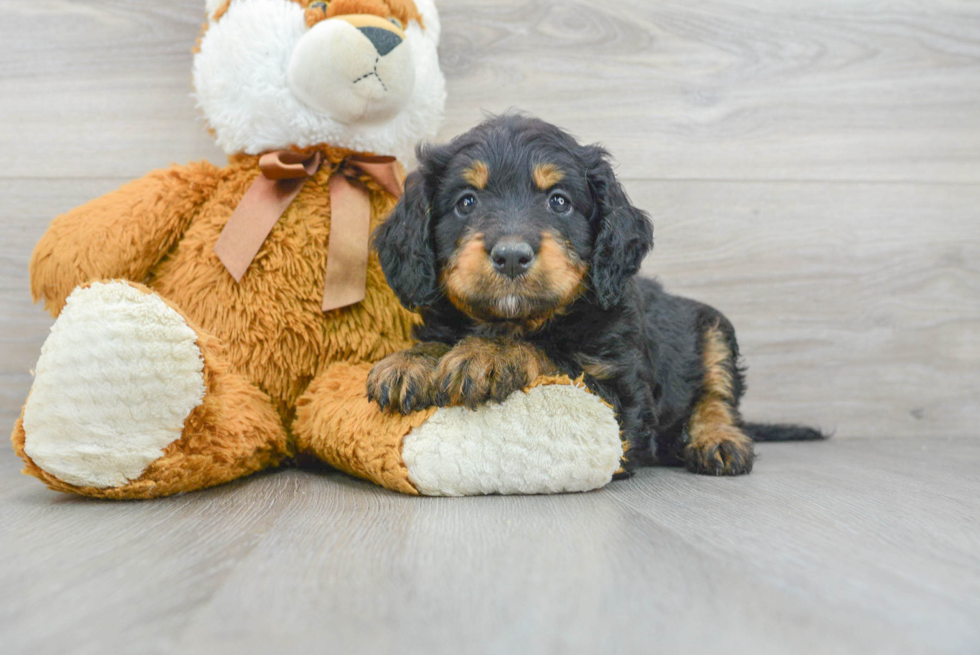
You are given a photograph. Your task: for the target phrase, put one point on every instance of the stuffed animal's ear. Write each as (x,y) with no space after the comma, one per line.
(404,245)
(623,233)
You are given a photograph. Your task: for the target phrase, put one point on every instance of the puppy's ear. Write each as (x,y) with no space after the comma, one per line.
(404,241)
(404,246)
(624,234)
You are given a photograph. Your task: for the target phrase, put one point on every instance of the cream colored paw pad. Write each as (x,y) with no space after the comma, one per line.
(552,439)
(117,377)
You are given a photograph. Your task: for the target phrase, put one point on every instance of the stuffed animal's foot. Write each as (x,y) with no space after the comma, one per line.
(125,399)
(555,437)
(117,377)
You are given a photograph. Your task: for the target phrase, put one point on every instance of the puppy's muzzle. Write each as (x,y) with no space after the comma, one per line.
(512,257)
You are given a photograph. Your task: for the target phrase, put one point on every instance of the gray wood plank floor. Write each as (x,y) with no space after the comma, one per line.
(813,170)
(849,546)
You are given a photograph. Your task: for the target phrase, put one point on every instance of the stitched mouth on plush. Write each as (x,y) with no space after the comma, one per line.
(355,68)
(356,74)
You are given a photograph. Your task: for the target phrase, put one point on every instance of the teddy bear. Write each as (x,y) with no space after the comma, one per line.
(213,321)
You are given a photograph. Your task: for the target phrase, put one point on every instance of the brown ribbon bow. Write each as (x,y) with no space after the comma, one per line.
(283,175)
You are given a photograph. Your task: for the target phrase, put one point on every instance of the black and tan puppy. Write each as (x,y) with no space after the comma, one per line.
(519,248)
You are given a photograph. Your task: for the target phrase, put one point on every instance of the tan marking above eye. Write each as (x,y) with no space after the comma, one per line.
(477,174)
(547,175)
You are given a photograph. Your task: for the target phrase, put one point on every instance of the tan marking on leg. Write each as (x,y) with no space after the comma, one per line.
(547,175)
(600,369)
(717,378)
(477,174)
(717,446)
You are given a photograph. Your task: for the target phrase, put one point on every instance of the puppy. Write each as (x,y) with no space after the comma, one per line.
(519,249)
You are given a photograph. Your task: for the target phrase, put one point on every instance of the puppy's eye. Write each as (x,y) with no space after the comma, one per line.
(465,204)
(559,203)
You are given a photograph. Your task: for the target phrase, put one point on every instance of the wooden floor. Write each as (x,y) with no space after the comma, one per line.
(813,170)
(851,546)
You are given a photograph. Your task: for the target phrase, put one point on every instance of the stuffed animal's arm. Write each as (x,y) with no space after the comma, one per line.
(123,234)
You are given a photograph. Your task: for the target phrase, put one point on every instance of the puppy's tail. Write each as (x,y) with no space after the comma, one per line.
(782,432)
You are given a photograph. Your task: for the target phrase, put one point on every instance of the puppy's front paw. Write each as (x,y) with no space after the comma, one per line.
(469,379)
(478,370)
(720,450)
(403,382)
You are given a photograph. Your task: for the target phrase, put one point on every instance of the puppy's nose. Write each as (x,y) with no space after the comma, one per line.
(512,258)
(384,41)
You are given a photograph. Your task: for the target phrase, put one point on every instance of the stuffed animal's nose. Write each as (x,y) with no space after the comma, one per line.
(384,41)
(512,258)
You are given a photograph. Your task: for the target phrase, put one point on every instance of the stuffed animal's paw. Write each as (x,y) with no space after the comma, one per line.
(117,378)
(478,370)
(403,382)
(558,437)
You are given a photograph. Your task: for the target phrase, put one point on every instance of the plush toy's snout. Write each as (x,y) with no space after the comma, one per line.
(354,68)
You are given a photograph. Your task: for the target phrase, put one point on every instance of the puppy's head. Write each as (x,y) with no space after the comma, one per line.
(513,221)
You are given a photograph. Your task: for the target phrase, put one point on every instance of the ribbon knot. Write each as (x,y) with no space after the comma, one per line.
(283,175)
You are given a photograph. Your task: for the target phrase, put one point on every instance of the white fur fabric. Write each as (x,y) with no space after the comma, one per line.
(240,78)
(336,68)
(552,439)
(116,379)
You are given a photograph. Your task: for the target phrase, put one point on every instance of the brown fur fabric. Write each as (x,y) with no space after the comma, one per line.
(275,332)
(335,422)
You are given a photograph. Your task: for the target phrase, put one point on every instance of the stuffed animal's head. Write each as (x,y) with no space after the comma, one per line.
(358,74)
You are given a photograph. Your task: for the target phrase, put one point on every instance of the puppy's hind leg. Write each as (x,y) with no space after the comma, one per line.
(716,445)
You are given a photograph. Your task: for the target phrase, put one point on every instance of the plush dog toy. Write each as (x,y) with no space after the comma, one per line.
(212,322)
